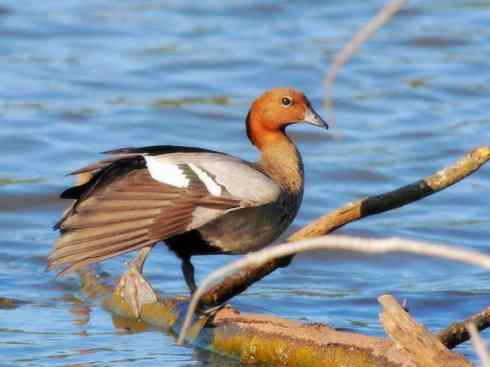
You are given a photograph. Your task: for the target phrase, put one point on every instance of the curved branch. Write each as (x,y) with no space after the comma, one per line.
(371,246)
(479,345)
(240,281)
(366,32)
(383,16)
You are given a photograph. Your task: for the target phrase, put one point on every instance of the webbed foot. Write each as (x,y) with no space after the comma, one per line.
(133,288)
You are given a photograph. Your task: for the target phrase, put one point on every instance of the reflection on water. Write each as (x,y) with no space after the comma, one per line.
(80,77)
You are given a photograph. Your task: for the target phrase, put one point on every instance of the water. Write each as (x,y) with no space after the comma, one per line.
(80,77)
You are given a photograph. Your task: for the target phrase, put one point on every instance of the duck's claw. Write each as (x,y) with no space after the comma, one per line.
(133,289)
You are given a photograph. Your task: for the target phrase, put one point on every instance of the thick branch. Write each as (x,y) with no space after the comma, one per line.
(253,338)
(238,282)
(418,343)
(456,333)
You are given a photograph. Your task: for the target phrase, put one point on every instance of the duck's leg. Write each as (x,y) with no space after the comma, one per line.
(188,271)
(133,288)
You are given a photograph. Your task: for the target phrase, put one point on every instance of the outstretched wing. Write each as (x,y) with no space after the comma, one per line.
(139,197)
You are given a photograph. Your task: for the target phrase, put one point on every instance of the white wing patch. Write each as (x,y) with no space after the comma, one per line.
(218,172)
(206,179)
(166,172)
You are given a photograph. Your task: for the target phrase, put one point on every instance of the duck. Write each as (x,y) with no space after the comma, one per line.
(194,200)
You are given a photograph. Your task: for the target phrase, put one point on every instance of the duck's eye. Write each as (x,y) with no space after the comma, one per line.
(286,101)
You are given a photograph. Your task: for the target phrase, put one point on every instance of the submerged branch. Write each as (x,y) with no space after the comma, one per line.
(240,281)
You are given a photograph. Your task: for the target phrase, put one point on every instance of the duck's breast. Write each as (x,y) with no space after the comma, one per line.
(249,229)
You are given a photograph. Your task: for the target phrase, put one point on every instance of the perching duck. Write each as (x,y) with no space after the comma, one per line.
(196,201)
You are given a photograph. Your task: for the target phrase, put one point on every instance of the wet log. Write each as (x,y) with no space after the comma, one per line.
(256,338)
(251,338)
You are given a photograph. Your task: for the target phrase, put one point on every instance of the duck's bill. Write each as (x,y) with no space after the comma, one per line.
(313,118)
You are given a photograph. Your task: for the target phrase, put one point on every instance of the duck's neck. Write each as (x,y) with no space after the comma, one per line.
(281,160)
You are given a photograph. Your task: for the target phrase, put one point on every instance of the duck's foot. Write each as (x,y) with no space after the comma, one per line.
(133,288)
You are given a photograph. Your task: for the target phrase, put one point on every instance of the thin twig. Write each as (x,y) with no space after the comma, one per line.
(374,246)
(383,16)
(479,345)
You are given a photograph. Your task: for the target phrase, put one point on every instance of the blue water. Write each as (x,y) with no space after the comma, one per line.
(80,77)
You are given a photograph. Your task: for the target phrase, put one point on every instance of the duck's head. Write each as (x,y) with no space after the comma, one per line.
(276,109)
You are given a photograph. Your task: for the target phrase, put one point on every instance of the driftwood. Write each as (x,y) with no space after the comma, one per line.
(261,338)
(333,242)
(274,341)
(414,339)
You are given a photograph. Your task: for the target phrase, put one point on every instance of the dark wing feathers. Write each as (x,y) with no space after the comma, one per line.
(75,265)
(174,222)
(122,209)
(104,172)
(95,166)
(90,250)
(100,177)
(158,149)
(94,218)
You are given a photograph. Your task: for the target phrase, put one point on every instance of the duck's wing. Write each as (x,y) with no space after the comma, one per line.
(140,196)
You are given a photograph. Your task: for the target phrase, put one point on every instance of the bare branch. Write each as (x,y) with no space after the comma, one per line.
(456,333)
(383,16)
(351,212)
(479,345)
(372,246)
